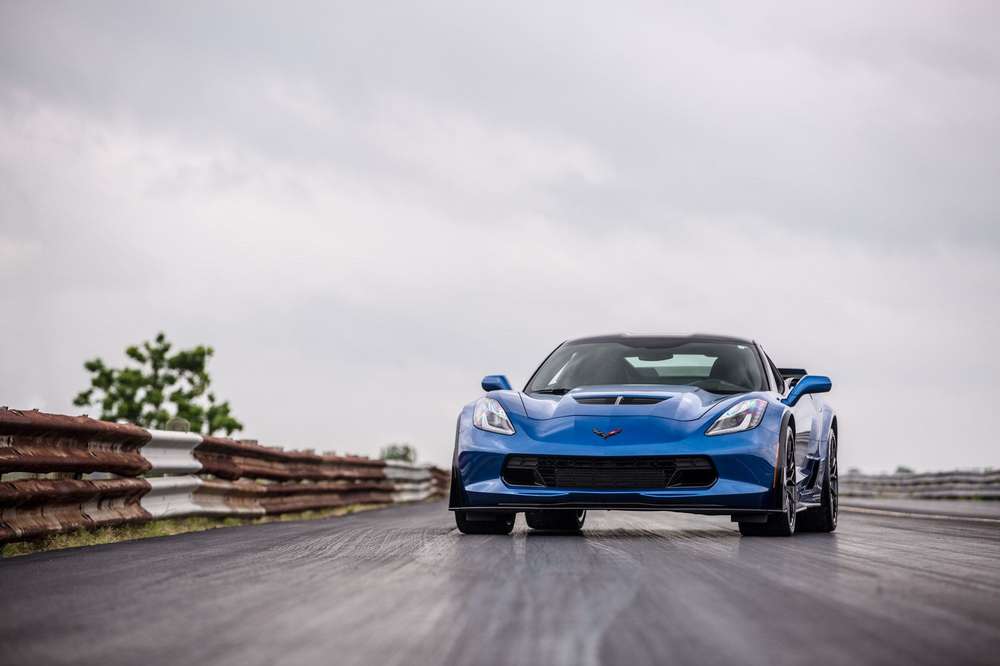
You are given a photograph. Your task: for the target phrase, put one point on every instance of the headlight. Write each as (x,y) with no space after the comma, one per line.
(741,416)
(489,415)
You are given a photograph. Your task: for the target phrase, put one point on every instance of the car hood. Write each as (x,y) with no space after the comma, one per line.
(678,403)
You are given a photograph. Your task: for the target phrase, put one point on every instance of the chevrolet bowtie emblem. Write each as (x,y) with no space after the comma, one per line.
(605,435)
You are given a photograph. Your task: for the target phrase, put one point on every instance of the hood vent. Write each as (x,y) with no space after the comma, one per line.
(619,400)
(598,400)
(640,400)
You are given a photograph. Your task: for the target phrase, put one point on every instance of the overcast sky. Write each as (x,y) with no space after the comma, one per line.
(366,207)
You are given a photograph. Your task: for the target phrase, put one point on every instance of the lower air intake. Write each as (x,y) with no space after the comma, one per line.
(623,473)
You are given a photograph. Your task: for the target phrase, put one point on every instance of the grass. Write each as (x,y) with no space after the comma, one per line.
(163,527)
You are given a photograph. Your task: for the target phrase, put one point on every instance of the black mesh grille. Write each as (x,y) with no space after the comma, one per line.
(609,472)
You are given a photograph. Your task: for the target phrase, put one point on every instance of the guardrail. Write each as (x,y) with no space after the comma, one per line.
(976,484)
(61,473)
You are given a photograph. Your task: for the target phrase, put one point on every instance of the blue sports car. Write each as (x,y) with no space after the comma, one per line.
(703,424)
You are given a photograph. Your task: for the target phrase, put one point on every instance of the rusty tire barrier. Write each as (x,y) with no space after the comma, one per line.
(63,473)
(33,442)
(32,508)
(274,498)
(232,459)
(975,484)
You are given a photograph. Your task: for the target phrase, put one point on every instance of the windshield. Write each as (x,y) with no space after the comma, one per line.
(719,367)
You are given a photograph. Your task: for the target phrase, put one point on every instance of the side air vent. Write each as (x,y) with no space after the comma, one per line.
(618,400)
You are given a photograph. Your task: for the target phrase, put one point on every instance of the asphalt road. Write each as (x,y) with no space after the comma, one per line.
(402,586)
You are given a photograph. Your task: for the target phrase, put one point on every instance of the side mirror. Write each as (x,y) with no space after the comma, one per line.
(497,383)
(808,384)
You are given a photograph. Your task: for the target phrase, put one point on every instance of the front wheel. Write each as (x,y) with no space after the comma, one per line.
(556,520)
(475,522)
(780,524)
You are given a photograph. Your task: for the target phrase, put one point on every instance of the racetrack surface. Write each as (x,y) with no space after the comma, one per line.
(402,586)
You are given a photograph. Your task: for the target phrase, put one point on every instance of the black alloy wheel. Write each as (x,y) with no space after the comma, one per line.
(781,524)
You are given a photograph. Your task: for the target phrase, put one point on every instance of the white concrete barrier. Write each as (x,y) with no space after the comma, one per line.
(171,496)
(403,471)
(171,452)
(413,493)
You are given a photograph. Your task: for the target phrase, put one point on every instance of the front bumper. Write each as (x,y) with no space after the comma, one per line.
(745,464)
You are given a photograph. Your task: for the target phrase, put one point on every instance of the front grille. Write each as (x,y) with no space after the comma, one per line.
(611,472)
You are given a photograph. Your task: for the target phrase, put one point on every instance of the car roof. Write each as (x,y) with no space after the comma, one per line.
(654,339)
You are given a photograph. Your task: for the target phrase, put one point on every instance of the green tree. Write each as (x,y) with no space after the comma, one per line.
(903,469)
(143,391)
(403,452)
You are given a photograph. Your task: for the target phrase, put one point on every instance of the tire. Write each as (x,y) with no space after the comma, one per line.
(824,517)
(496,523)
(556,520)
(780,524)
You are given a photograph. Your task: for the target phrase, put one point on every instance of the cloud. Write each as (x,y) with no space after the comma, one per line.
(365,211)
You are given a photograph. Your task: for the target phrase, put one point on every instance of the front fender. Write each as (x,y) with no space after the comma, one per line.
(456,494)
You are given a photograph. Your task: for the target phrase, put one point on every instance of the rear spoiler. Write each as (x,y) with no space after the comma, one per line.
(789,373)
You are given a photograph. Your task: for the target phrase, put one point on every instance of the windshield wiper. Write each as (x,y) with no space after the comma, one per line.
(553,391)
